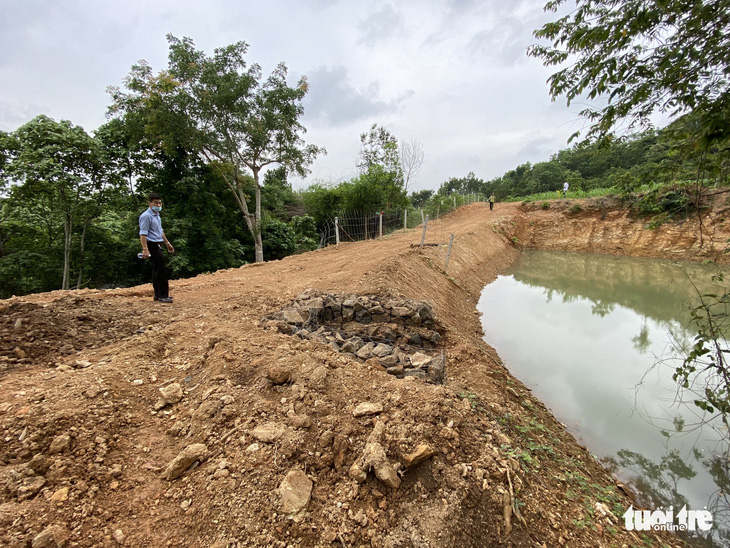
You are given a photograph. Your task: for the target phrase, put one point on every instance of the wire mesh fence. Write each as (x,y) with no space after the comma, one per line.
(354,226)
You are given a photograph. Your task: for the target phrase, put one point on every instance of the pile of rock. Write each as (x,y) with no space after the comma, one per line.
(400,334)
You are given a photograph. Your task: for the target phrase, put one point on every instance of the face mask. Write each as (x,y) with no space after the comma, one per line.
(156,209)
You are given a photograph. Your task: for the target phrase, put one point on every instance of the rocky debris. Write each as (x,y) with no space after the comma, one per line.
(171,394)
(53,536)
(295,492)
(196,452)
(374,458)
(81,364)
(367,408)
(398,333)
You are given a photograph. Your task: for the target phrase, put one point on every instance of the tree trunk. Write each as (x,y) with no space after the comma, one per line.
(81,255)
(67,228)
(258,243)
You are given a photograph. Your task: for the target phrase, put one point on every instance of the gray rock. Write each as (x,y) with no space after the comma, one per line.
(388,361)
(366,352)
(418,373)
(382,350)
(437,370)
(53,536)
(396,370)
(352,345)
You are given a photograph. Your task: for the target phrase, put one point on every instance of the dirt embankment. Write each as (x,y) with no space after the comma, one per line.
(205,423)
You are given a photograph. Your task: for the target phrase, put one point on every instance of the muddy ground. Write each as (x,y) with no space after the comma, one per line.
(205,423)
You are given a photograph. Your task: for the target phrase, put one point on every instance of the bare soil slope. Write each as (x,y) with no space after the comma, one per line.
(128,422)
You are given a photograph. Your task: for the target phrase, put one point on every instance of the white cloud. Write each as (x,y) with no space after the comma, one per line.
(453,75)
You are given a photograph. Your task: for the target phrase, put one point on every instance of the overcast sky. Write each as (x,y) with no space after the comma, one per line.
(451,74)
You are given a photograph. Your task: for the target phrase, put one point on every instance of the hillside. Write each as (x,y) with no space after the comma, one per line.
(206,423)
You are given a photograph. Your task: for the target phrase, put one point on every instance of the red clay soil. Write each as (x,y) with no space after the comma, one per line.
(267,420)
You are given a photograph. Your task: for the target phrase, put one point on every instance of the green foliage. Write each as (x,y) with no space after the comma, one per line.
(306,233)
(374,190)
(704,369)
(379,148)
(221,108)
(279,239)
(663,55)
(420,198)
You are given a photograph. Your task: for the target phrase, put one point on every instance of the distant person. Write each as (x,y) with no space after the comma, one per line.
(492,199)
(565,188)
(153,237)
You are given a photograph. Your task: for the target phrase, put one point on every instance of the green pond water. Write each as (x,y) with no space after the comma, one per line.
(594,338)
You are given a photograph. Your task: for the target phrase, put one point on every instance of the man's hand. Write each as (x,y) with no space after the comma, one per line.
(170,248)
(145,253)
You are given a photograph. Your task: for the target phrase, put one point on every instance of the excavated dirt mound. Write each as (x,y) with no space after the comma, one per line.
(127,422)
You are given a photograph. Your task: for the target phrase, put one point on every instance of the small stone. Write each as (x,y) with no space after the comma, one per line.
(172,393)
(396,370)
(382,350)
(300,421)
(228,399)
(419,360)
(366,352)
(357,474)
(188,456)
(59,444)
(278,375)
(119,537)
(82,364)
(60,495)
(30,487)
(423,452)
(295,492)
(292,316)
(53,536)
(368,408)
(268,432)
(389,361)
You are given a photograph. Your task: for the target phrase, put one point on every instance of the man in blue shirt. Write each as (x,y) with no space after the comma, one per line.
(153,237)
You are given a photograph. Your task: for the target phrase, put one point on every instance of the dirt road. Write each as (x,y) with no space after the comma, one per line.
(207,423)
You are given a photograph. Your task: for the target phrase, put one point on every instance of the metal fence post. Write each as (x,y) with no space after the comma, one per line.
(380,224)
(405,219)
(448,253)
(423,236)
(337,230)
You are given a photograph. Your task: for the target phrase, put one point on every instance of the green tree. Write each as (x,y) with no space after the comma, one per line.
(378,147)
(221,107)
(420,198)
(58,168)
(639,57)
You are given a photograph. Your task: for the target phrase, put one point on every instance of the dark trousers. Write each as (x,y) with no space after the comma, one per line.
(159,271)
(491,206)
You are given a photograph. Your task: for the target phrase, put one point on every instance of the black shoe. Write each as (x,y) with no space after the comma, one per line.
(165,299)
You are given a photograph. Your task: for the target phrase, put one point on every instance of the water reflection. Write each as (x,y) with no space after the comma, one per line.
(591,336)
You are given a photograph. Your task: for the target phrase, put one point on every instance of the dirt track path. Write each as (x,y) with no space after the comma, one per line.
(85,443)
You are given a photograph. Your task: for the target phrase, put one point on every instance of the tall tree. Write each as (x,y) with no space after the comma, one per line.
(411,160)
(639,57)
(57,165)
(379,147)
(222,108)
